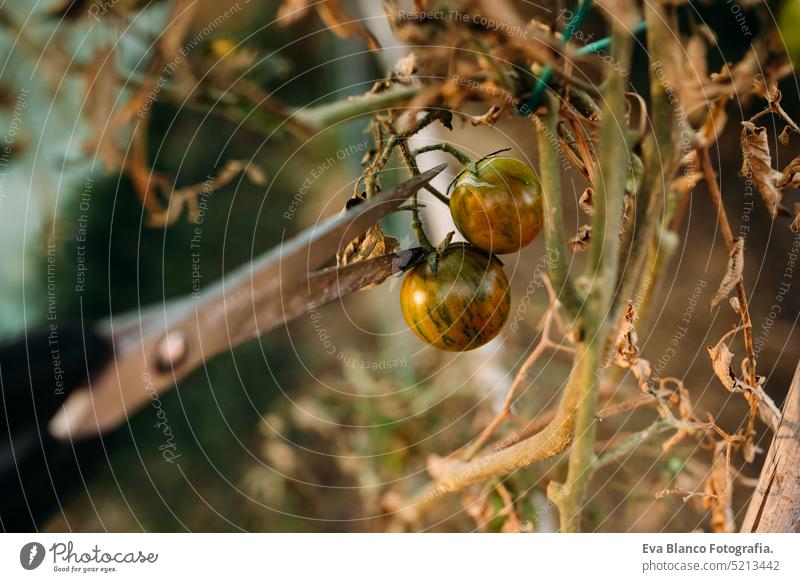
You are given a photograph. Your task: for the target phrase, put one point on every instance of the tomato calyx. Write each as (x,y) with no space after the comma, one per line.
(474,167)
(436,254)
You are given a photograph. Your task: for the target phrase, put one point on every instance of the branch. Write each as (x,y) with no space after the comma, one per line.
(544,343)
(453,475)
(324,116)
(659,149)
(602,271)
(550,169)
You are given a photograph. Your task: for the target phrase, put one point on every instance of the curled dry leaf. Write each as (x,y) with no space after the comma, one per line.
(373,243)
(681,399)
(580,241)
(333,14)
(714,123)
(488,118)
(721,359)
(791,175)
(586,201)
(795,226)
(732,275)
(735,305)
(757,165)
(719,491)
(627,350)
(407,65)
(344,24)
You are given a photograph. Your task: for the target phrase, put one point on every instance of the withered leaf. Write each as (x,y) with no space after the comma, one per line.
(292,10)
(188,195)
(721,358)
(735,305)
(757,165)
(580,241)
(627,350)
(791,175)
(733,274)
(715,121)
(719,491)
(343,24)
(586,201)
(488,118)
(373,243)
(795,226)
(407,65)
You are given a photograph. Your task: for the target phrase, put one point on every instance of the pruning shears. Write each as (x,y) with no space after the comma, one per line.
(109,370)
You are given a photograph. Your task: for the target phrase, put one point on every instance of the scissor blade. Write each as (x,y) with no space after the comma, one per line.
(312,248)
(242,302)
(245,304)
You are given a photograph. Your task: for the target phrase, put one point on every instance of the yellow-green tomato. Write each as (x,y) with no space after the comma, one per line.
(458,304)
(497,205)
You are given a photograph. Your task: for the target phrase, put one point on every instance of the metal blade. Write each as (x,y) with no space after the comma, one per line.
(155,348)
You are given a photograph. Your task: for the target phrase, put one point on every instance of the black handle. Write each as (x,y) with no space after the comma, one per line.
(37,373)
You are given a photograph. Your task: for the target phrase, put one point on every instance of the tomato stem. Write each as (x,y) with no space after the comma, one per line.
(447,148)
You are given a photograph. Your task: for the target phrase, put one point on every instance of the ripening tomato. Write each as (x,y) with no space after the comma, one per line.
(458,301)
(497,205)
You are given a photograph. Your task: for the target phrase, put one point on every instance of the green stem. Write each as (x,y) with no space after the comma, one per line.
(323,116)
(630,444)
(416,220)
(659,152)
(555,243)
(602,271)
(447,148)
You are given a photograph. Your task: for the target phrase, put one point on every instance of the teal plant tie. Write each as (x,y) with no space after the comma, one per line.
(569,30)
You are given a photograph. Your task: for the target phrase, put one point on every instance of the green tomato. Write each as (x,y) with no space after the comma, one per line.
(497,205)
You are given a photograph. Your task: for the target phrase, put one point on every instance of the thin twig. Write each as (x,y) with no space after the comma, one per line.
(544,344)
(447,148)
(744,309)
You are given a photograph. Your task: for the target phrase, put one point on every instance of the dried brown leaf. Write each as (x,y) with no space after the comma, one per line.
(488,118)
(719,490)
(627,350)
(715,121)
(343,24)
(580,241)
(373,243)
(735,304)
(795,226)
(721,358)
(407,65)
(791,175)
(733,274)
(757,165)
(586,201)
(291,11)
